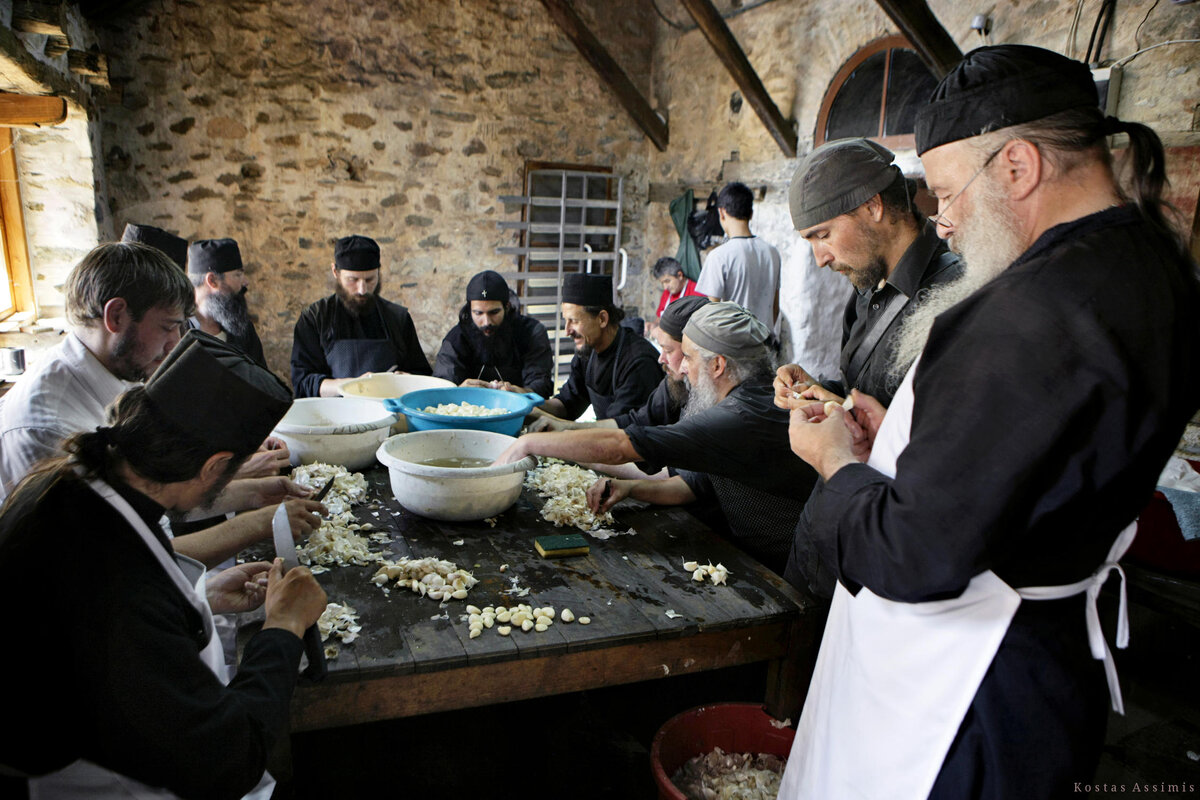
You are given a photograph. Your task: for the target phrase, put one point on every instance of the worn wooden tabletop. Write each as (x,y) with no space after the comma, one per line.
(414,655)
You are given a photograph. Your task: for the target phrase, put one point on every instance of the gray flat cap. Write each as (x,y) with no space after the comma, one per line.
(838,177)
(727,329)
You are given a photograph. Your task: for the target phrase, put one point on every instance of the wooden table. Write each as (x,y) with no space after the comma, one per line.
(415,657)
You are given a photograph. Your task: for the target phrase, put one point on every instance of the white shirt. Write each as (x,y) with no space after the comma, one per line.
(744,270)
(67,392)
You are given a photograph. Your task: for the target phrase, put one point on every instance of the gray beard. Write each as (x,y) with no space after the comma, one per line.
(701,396)
(988,244)
(229,311)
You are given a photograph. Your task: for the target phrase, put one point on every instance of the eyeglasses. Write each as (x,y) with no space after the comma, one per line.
(939,219)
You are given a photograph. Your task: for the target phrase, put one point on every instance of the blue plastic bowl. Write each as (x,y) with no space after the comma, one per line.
(518,405)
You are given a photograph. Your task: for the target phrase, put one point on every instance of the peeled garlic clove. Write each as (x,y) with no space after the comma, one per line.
(541,628)
(830,405)
(527,625)
(434,594)
(473,618)
(698,575)
(460,594)
(504,616)
(488,621)
(490,610)
(691,566)
(504,630)
(474,633)
(848,403)
(549,613)
(542,620)
(473,610)
(585,620)
(567,615)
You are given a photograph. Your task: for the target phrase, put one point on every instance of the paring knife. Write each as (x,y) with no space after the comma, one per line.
(324,490)
(285,548)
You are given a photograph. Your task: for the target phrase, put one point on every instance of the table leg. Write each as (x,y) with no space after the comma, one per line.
(788,677)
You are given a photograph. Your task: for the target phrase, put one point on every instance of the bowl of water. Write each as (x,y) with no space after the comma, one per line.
(449,474)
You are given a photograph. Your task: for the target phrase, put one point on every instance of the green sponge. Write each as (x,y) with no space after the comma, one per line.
(565,544)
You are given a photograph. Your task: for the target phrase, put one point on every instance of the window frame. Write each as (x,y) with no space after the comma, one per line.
(12,231)
(906,141)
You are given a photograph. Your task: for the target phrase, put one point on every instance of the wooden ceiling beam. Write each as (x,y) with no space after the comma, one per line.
(609,71)
(713,26)
(933,44)
(30,110)
(34,16)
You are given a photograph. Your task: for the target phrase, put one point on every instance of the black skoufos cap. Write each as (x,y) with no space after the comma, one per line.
(995,87)
(487,285)
(838,177)
(583,289)
(676,315)
(174,247)
(356,253)
(212,391)
(213,255)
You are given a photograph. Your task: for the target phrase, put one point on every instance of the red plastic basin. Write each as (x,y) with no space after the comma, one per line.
(733,727)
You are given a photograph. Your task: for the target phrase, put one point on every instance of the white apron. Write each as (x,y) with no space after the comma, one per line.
(83,779)
(893,681)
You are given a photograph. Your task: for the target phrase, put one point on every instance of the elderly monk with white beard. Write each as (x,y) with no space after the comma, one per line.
(728,446)
(216,271)
(963,656)
(353,332)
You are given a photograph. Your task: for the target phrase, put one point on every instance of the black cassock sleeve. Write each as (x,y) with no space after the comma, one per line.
(309,366)
(409,356)
(574,394)
(713,441)
(449,362)
(537,371)
(115,676)
(638,373)
(159,715)
(1023,455)
(655,411)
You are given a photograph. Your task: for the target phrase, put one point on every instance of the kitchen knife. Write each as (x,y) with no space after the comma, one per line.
(324,491)
(285,548)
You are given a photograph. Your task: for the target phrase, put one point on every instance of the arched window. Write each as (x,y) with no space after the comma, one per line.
(876,94)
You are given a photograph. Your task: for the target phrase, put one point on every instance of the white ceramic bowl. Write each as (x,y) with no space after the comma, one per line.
(334,430)
(449,493)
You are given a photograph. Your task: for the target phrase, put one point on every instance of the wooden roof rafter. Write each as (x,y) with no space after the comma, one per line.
(933,44)
(713,26)
(609,71)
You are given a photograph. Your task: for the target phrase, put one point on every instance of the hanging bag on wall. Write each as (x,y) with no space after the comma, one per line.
(704,226)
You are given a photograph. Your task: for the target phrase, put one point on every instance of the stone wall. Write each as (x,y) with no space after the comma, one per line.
(797,48)
(288,124)
(58,172)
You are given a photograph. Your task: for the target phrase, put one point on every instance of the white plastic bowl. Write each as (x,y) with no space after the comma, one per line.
(334,430)
(389,384)
(448,493)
